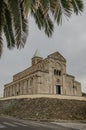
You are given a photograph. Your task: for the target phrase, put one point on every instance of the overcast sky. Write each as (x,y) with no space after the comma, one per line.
(69,39)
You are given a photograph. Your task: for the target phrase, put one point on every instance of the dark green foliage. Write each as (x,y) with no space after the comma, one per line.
(77,6)
(14,13)
(1,25)
(13,24)
(8,30)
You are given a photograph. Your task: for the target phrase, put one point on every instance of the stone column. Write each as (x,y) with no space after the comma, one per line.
(64,84)
(17,89)
(10,90)
(14,90)
(4,92)
(7,92)
(28,86)
(35,85)
(21,88)
(25,87)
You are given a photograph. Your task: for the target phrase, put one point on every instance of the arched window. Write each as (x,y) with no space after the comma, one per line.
(59,73)
(55,72)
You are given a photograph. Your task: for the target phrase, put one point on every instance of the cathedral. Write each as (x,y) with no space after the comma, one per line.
(44,76)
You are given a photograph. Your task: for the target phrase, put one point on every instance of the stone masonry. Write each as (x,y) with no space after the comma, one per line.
(45,76)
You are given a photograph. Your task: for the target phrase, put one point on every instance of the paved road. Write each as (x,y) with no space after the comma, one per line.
(15,124)
(79,126)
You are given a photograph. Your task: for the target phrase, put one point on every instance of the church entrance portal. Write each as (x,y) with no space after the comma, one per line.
(58,89)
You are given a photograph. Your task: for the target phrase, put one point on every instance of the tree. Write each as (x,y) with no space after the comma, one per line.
(14,17)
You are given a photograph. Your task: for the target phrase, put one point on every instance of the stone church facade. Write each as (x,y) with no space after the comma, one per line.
(45,76)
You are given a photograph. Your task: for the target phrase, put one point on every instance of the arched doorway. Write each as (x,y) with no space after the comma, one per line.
(58,89)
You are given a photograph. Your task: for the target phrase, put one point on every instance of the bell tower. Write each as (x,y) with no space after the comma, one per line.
(36,58)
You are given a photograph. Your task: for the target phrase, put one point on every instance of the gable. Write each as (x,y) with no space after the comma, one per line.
(57,56)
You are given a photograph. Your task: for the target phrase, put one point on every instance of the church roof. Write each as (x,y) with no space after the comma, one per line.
(37,54)
(58,56)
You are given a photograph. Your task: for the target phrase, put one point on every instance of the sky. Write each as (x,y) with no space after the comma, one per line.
(68,39)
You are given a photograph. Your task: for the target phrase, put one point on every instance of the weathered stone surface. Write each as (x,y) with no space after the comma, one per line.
(45,76)
(44,109)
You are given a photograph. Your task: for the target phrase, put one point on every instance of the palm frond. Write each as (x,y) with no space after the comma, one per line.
(27,6)
(14,23)
(14,6)
(24,25)
(43,22)
(49,27)
(59,8)
(24,32)
(38,18)
(1,45)
(77,6)
(45,3)
(67,11)
(1,24)
(6,32)
(8,29)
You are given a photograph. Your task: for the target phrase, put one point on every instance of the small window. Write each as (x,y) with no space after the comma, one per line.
(59,73)
(55,72)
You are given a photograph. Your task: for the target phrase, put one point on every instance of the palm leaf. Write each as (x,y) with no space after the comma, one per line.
(1,45)
(24,25)
(43,22)
(38,18)
(6,32)
(49,27)
(1,24)
(14,23)
(64,7)
(77,6)
(24,32)
(27,6)
(14,6)
(8,29)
